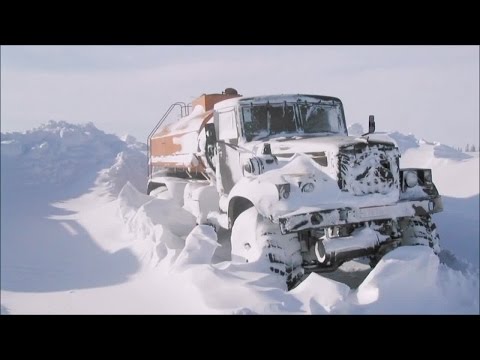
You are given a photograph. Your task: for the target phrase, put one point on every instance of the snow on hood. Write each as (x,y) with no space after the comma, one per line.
(304,144)
(309,144)
(326,194)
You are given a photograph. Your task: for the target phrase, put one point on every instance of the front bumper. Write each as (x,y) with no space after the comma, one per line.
(336,217)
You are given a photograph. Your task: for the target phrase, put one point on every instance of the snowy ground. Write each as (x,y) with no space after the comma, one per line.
(78,236)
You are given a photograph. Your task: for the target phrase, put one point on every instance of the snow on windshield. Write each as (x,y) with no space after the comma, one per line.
(262,120)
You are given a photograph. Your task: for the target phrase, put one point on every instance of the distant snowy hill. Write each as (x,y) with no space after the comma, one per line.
(406,142)
(59,153)
(355,129)
(79,235)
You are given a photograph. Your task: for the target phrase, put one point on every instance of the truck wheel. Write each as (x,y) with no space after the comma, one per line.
(256,239)
(420,230)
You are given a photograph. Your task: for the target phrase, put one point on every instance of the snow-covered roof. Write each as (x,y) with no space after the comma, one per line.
(272,98)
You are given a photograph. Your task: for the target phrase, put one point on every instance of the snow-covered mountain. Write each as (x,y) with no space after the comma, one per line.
(79,235)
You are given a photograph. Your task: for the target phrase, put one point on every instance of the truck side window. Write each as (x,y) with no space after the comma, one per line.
(227,126)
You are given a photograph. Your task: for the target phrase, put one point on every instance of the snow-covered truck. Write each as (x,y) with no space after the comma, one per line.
(298,194)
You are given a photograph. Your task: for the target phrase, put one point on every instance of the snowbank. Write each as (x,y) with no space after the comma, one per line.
(130,166)
(404,142)
(411,280)
(447,152)
(82,252)
(59,154)
(157,225)
(407,280)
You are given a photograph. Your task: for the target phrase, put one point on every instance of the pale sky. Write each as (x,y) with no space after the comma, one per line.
(431,91)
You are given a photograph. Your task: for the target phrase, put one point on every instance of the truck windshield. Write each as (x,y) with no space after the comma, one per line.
(290,119)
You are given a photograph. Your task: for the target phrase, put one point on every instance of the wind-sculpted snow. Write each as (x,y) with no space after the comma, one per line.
(79,235)
(412,280)
(158,224)
(59,154)
(439,151)
(447,152)
(407,280)
(355,129)
(407,142)
(200,246)
(129,166)
(404,142)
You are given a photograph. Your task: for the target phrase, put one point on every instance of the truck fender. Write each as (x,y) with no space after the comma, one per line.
(247,193)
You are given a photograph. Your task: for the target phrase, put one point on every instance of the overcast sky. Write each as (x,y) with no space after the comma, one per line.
(431,91)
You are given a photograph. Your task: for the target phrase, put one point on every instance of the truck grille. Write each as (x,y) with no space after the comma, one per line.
(368,169)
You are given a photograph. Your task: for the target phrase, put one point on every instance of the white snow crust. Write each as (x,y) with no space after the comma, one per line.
(80,236)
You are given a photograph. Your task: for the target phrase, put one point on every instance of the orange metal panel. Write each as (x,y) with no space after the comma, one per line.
(207,101)
(162,143)
(164,146)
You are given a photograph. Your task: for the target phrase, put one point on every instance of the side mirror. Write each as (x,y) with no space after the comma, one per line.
(371,124)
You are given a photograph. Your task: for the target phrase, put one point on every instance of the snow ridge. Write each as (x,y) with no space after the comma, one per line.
(174,253)
(407,142)
(60,153)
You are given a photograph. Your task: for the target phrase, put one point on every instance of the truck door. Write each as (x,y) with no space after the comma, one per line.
(229,169)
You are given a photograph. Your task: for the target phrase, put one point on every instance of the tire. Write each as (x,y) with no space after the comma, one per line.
(420,230)
(256,239)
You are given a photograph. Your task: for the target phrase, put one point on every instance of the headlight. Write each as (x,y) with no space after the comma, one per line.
(308,188)
(253,166)
(411,178)
(283,191)
(247,167)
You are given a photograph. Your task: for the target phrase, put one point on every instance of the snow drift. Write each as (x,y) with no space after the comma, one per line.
(59,154)
(79,235)
(407,142)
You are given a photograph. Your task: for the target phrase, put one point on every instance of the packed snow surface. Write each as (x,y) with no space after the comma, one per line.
(79,235)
